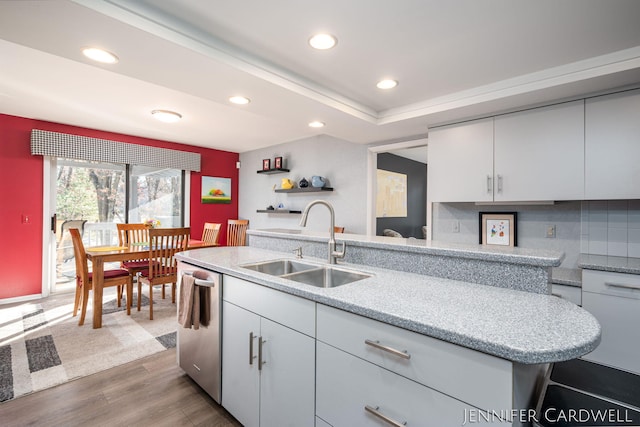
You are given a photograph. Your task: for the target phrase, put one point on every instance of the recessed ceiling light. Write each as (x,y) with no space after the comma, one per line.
(387,84)
(316,124)
(323,41)
(240,100)
(100,55)
(166,116)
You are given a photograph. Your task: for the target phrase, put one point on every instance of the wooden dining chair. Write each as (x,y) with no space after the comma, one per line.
(129,234)
(211,232)
(84,278)
(237,232)
(162,267)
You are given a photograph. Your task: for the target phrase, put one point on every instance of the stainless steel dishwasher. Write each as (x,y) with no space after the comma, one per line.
(199,350)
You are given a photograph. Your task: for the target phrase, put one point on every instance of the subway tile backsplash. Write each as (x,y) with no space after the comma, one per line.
(611,228)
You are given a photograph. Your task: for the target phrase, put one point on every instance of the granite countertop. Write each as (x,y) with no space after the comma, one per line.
(518,326)
(567,276)
(610,263)
(536,257)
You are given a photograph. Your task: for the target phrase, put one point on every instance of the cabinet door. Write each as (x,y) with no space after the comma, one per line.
(287,383)
(612,146)
(240,379)
(539,154)
(461,162)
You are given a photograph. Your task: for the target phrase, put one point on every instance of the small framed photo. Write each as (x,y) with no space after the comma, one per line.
(266,164)
(278,163)
(498,228)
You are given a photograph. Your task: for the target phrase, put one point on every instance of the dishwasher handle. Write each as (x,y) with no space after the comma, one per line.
(202,282)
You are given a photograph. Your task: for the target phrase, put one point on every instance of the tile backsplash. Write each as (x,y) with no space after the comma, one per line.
(610,228)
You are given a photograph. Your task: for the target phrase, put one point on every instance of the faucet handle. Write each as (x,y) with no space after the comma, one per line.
(298,252)
(342,252)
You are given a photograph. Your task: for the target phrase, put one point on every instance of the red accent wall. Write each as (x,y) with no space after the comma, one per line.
(21,195)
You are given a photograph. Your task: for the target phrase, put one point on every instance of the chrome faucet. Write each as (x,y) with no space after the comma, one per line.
(333,254)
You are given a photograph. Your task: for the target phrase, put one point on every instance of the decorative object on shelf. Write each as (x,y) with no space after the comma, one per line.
(278,163)
(318,181)
(287,184)
(303,183)
(266,164)
(152,223)
(271,208)
(215,190)
(280,206)
(498,228)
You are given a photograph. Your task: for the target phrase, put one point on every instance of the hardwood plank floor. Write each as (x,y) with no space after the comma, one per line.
(152,391)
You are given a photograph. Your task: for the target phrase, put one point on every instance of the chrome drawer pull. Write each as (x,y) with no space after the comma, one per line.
(489,183)
(623,286)
(391,350)
(383,417)
(251,356)
(260,361)
(499,183)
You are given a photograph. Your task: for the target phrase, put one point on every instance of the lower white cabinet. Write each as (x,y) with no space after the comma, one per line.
(570,293)
(354,392)
(268,369)
(614,299)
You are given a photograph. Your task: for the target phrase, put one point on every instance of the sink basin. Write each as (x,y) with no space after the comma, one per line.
(279,267)
(327,277)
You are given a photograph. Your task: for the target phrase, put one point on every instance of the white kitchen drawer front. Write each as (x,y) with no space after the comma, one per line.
(347,385)
(610,283)
(294,312)
(477,378)
(570,293)
(619,318)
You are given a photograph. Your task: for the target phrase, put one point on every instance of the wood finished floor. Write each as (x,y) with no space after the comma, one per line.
(152,391)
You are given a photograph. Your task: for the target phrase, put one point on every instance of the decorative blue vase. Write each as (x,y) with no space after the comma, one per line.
(318,181)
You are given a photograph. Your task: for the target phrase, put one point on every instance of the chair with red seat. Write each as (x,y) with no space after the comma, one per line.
(84,278)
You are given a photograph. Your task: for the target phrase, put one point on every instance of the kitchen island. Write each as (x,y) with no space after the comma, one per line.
(471,346)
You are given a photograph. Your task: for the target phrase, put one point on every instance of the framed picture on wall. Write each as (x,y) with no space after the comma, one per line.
(498,228)
(278,163)
(216,190)
(266,164)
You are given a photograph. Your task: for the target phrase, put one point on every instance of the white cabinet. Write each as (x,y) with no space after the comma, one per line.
(268,368)
(539,154)
(531,155)
(461,162)
(570,293)
(614,299)
(612,146)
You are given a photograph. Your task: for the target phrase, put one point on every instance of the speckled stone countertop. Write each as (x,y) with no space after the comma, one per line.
(514,325)
(616,264)
(516,255)
(567,276)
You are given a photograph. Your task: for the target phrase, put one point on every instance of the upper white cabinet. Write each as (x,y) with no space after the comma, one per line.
(530,155)
(539,154)
(461,162)
(612,146)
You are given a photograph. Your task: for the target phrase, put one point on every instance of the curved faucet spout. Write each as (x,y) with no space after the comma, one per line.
(333,254)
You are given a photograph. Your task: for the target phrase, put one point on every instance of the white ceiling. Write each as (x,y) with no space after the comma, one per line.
(454,59)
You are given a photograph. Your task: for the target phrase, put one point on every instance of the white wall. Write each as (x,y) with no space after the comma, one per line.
(342,162)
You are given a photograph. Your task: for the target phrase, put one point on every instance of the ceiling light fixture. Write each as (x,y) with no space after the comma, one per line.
(323,41)
(240,100)
(387,84)
(100,55)
(316,124)
(166,116)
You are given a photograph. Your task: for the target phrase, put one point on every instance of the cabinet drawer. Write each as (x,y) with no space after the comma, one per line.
(482,380)
(570,293)
(296,313)
(345,385)
(610,283)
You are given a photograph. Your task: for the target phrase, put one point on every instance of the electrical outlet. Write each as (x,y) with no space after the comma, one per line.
(551,231)
(455,227)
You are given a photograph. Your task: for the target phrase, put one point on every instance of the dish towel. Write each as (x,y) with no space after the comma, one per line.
(194,308)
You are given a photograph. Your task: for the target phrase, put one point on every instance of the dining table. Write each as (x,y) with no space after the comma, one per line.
(99,255)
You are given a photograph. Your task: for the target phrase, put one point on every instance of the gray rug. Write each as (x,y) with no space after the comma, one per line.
(41,344)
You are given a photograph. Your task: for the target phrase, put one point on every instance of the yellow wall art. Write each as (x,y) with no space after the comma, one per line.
(391,200)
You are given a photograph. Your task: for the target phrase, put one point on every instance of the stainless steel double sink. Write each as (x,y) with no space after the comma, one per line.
(319,275)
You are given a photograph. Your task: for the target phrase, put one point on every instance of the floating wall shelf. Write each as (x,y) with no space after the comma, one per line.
(279,211)
(304,190)
(273,171)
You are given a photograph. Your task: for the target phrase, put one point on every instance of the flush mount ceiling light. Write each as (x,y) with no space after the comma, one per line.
(323,41)
(240,100)
(387,84)
(100,55)
(166,116)
(316,124)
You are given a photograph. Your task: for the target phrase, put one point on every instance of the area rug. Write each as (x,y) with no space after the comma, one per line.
(41,344)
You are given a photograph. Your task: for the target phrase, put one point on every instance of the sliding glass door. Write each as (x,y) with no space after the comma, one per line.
(156,194)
